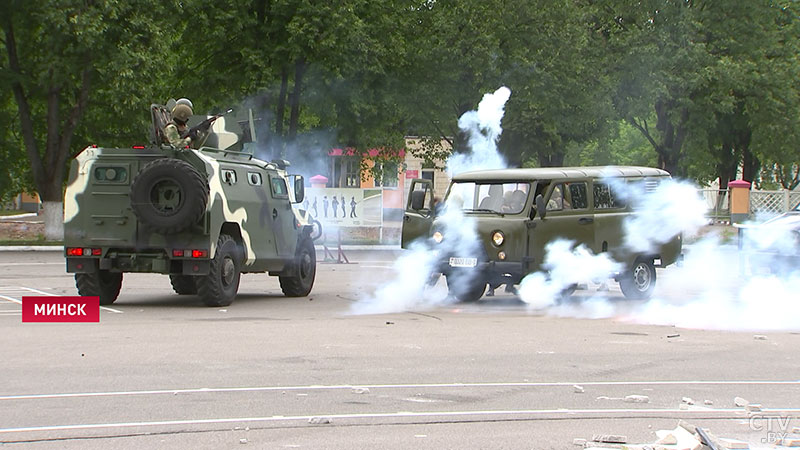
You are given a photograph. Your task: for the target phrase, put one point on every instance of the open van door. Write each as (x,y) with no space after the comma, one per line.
(418,217)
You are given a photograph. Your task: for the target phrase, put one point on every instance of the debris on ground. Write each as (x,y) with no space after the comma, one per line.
(684,436)
(243,441)
(577,389)
(708,402)
(759,337)
(319,420)
(753,407)
(637,399)
(687,400)
(360,390)
(740,402)
(610,438)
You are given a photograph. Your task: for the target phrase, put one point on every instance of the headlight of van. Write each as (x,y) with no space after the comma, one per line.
(437,236)
(498,238)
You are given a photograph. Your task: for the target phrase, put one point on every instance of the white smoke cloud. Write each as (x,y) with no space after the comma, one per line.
(716,287)
(483,128)
(566,266)
(409,288)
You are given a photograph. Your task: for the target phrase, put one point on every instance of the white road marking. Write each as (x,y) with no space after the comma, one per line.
(19,302)
(26,290)
(33,264)
(402,414)
(396,386)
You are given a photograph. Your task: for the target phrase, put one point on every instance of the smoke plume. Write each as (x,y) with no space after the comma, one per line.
(410,287)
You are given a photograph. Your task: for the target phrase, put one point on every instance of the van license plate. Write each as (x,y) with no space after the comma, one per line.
(463,262)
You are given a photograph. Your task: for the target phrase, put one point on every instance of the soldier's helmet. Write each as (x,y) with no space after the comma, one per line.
(181,113)
(185,101)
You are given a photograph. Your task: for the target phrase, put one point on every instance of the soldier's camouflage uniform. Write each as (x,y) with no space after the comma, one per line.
(173,136)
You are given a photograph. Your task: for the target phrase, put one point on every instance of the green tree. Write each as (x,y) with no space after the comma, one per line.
(68,57)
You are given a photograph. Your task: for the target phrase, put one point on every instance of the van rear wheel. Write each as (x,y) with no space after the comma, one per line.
(639,282)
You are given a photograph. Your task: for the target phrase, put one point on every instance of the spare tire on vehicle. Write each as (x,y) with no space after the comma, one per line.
(169,195)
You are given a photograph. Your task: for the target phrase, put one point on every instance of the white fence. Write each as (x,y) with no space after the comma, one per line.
(763,204)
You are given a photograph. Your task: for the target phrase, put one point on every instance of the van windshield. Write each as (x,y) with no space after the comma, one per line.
(502,198)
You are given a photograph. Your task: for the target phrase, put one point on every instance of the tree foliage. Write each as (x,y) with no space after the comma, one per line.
(702,89)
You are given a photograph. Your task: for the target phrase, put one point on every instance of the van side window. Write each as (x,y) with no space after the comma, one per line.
(605,198)
(556,201)
(576,196)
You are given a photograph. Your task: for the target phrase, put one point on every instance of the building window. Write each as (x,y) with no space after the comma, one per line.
(385,174)
(345,172)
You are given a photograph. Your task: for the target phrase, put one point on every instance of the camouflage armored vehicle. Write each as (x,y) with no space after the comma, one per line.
(202,216)
(519,211)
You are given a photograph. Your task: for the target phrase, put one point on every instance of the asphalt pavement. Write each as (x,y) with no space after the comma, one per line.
(163,371)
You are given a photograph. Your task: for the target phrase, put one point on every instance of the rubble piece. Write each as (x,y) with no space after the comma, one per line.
(243,441)
(665,437)
(730,444)
(687,400)
(610,438)
(740,402)
(577,389)
(790,442)
(637,399)
(579,441)
(360,390)
(673,335)
(759,337)
(687,440)
(319,420)
(708,402)
(753,407)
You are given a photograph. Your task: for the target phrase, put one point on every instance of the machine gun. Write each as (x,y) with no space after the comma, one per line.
(203,126)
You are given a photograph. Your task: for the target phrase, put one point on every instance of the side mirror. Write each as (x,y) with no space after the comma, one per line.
(541,208)
(418,200)
(299,188)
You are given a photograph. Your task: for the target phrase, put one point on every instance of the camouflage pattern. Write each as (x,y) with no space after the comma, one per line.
(248,199)
(173,136)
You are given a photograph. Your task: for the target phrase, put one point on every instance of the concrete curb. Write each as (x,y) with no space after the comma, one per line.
(18,216)
(32,248)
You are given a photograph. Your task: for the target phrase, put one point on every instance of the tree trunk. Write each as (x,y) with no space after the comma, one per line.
(280,109)
(53,213)
(552,159)
(294,115)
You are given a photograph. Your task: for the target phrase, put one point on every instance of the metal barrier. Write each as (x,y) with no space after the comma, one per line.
(718,203)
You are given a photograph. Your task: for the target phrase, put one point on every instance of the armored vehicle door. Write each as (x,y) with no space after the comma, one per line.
(418,217)
(566,216)
(282,217)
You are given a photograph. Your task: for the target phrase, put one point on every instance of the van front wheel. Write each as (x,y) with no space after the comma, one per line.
(465,289)
(639,282)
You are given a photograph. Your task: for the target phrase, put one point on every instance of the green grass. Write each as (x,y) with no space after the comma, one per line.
(38,241)
(11,212)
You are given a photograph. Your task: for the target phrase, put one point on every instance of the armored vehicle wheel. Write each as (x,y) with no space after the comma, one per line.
(316,231)
(639,282)
(103,284)
(183,284)
(219,287)
(169,195)
(304,269)
(464,288)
